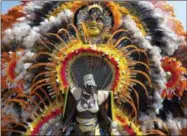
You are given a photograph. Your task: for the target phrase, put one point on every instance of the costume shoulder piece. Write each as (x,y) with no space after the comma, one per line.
(76,91)
(102,96)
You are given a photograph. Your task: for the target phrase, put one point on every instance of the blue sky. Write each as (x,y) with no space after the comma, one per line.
(180,9)
(7,5)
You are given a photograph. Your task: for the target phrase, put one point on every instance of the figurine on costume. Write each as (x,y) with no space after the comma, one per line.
(89,110)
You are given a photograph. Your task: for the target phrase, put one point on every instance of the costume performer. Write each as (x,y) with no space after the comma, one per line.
(88,108)
(93,68)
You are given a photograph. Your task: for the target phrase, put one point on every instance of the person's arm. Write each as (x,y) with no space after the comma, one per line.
(102,100)
(76,94)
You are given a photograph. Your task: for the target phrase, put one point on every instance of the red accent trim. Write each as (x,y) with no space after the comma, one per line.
(175,76)
(44,120)
(127,128)
(82,50)
(11,69)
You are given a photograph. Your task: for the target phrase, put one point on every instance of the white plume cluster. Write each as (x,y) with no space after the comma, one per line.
(158,102)
(9,110)
(146,125)
(18,31)
(23,31)
(173,125)
(23,63)
(32,6)
(31,37)
(170,38)
(176,124)
(140,40)
(64,16)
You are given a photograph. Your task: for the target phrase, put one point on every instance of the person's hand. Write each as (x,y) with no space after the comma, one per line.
(113,128)
(113,125)
(59,132)
(64,128)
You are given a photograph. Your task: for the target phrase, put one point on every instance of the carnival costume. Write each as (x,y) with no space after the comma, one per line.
(93,68)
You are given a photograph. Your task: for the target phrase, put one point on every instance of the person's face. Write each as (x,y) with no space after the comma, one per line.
(89,89)
(94,24)
(89,84)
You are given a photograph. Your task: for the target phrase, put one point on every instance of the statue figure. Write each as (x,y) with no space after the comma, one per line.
(87,109)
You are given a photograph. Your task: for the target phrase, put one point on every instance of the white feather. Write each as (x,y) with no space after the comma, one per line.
(129,23)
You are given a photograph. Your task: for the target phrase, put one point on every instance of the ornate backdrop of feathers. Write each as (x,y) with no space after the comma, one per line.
(141,58)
